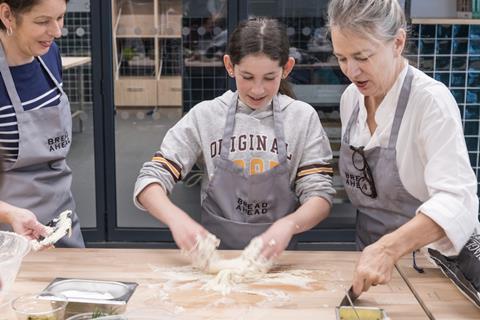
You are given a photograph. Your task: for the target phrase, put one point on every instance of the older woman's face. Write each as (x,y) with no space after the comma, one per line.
(369,63)
(35,30)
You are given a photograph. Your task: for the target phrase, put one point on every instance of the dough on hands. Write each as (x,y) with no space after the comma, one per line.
(62,226)
(249,266)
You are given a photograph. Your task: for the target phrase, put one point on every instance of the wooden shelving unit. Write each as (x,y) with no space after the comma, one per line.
(444,21)
(147,52)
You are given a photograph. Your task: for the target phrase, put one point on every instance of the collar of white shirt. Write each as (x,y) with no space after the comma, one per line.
(383,117)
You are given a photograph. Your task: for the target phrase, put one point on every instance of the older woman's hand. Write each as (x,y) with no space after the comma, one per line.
(24,222)
(374,267)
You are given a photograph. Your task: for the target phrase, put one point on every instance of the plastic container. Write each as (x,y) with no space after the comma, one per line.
(13,248)
(44,306)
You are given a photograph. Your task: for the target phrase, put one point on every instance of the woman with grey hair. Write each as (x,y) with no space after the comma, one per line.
(403,159)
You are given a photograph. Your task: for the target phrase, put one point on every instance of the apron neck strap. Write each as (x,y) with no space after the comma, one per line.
(399,111)
(401,106)
(10,84)
(353,118)
(230,125)
(8,81)
(51,75)
(279,133)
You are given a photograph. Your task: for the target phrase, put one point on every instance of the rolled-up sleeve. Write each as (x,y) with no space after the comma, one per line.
(178,153)
(314,177)
(450,180)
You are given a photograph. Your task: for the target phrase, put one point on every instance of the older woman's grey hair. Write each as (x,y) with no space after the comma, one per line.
(381,19)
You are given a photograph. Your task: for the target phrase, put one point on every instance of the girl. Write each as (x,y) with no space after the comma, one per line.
(264,154)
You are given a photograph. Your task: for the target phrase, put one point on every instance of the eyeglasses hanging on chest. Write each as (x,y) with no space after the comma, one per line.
(366,183)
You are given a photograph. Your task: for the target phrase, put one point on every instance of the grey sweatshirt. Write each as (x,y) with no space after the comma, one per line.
(196,138)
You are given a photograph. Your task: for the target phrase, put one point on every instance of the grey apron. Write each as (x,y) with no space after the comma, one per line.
(39,180)
(393,206)
(239,206)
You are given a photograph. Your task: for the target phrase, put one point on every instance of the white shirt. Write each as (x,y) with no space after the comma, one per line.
(432,157)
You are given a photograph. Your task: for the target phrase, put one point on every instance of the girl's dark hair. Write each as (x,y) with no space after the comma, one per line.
(261,35)
(19,7)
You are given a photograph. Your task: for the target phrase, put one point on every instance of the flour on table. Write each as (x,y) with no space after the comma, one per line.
(248,274)
(249,266)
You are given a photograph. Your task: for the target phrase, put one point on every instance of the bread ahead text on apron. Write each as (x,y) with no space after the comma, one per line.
(239,206)
(388,205)
(39,180)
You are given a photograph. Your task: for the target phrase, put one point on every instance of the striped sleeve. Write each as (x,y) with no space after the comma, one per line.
(314,169)
(170,166)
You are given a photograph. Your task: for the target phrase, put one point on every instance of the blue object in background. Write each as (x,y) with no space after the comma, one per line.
(476,9)
(458,79)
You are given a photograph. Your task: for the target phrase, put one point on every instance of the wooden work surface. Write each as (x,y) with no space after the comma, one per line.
(331,271)
(438,293)
(71,62)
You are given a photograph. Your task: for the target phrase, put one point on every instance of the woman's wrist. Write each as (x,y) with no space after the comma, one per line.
(392,247)
(6,212)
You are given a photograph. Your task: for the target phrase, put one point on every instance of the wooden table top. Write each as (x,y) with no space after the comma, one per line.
(332,272)
(438,293)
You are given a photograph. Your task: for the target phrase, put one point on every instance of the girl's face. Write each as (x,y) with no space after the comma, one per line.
(370,64)
(35,30)
(258,78)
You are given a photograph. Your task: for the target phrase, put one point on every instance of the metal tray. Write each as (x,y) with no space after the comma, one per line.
(364,313)
(86,295)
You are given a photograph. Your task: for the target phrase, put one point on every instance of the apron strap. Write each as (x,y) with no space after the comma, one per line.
(353,118)
(52,76)
(9,83)
(399,112)
(278,129)
(279,133)
(401,106)
(229,126)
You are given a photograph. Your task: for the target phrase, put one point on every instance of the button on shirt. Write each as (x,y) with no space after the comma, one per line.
(432,157)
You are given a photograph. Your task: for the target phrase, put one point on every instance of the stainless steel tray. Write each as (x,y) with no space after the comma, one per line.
(87,295)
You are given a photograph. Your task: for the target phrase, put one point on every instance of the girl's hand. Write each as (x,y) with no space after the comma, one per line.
(277,238)
(185,232)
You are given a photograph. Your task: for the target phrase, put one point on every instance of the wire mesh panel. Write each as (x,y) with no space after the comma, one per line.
(451,54)
(76,41)
(204,36)
(170,57)
(136,57)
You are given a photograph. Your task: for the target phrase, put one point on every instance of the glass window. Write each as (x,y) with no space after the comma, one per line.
(167,57)
(75,50)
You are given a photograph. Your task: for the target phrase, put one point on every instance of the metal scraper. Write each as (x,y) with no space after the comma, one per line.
(348,301)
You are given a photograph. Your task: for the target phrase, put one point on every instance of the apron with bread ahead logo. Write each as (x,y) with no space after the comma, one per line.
(373,182)
(39,180)
(239,206)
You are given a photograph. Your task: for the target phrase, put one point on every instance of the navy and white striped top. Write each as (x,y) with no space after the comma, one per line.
(35,89)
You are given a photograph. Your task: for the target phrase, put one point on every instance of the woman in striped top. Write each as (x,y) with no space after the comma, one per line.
(35,120)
